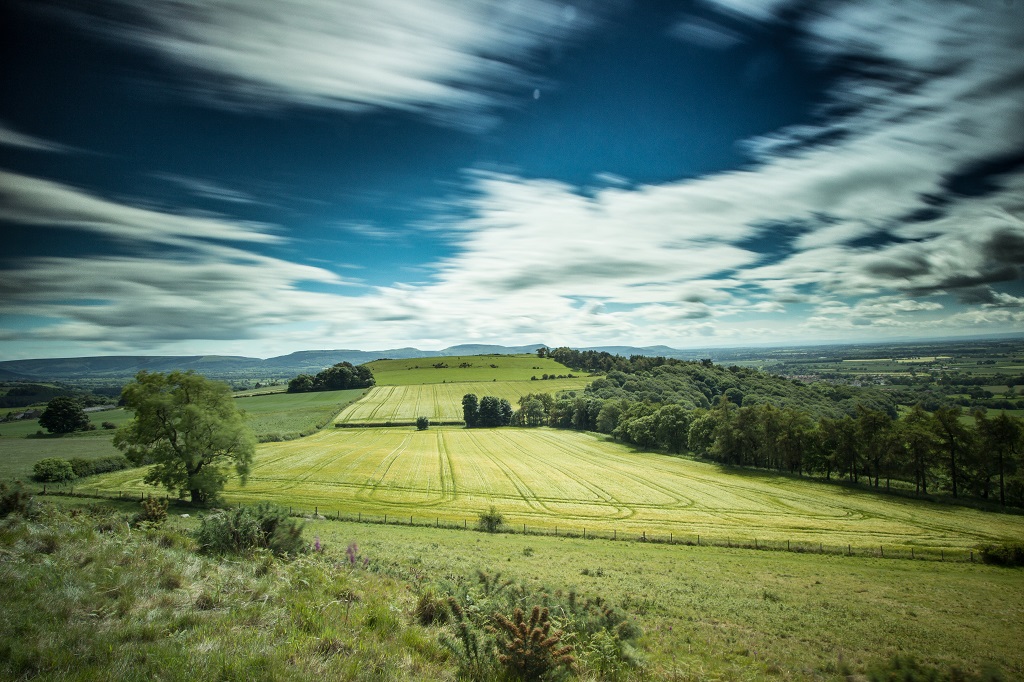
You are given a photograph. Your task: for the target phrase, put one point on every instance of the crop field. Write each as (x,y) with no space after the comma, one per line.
(549,479)
(442,402)
(287,415)
(463,368)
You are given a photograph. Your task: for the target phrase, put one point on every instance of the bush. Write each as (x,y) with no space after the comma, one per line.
(53,470)
(247,528)
(14,500)
(422,423)
(1003,555)
(100,465)
(527,648)
(490,520)
(153,514)
(109,425)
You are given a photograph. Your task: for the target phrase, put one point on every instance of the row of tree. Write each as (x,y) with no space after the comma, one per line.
(487,412)
(339,377)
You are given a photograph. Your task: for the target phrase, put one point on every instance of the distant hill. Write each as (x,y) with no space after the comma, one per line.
(120,367)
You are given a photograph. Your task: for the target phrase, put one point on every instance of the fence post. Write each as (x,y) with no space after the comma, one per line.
(942,555)
(881,552)
(410,520)
(849,550)
(645,535)
(698,539)
(465,523)
(972,556)
(615,534)
(787,545)
(360,517)
(316,511)
(385,519)
(911,552)
(821,548)
(585,536)
(755,543)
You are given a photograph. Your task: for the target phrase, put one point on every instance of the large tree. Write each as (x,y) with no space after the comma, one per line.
(64,415)
(189,428)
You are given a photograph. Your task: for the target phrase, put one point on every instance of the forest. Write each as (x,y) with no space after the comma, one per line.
(749,418)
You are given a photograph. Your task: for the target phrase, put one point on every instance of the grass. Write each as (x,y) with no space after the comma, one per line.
(87,598)
(443,402)
(281,416)
(715,613)
(550,479)
(463,368)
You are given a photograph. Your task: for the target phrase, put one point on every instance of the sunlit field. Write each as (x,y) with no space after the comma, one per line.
(442,402)
(463,368)
(546,479)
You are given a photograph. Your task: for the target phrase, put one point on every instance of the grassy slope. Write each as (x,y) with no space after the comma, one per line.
(443,402)
(120,604)
(422,371)
(715,613)
(546,478)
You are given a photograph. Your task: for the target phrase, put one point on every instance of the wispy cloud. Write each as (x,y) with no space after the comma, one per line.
(208,189)
(13,138)
(455,61)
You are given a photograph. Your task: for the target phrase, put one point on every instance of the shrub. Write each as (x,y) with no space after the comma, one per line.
(1003,555)
(422,423)
(431,609)
(100,465)
(247,528)
(490,520)
(81,466)
(109,425)
(527,648)
(53,470)
(153,514)
(14,500)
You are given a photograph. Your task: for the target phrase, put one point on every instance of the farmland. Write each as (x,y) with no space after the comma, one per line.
(548,479)
(463,368)
(442,401)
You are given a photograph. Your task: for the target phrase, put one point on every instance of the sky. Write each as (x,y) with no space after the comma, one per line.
(256,177)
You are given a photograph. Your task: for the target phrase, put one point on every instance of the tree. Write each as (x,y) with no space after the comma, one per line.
(64,415)
(470,410)
(1002,438)
(955,438)
(53,470)
(190,429)
(422,423)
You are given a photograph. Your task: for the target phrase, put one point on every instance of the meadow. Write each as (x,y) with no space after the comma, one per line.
(442,402)
(547,480)
(464,368)
(281,416)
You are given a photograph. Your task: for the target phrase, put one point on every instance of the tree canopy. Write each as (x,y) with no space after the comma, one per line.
(189,428)
(339,377)
(64,415)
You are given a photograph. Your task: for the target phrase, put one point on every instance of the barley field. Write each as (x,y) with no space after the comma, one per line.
(463,368)
(442,402)
(546,479)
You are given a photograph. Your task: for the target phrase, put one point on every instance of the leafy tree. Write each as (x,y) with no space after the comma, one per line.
(64,415)
(301,384)
(1003,438)
(422,423)
(53,470)
(190,429)
(533,412)
(955,438)
(916,432)
(470,410)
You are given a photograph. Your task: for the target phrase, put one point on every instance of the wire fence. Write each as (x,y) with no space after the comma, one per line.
(658,536)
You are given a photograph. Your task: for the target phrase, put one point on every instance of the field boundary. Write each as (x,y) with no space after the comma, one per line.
(386,425)
(686,538)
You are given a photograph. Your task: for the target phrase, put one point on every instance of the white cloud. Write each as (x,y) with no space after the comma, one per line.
(13,138)
(452,59)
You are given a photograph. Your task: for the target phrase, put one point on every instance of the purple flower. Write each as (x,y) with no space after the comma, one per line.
(316,544)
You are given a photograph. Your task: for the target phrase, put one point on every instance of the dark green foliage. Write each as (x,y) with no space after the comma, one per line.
(490,520)
(422,423)
(64,415)
(906,669)
(14,500)
(110,426)
(339,377)
(488,413)
(189,428)
(53,470)
(247,528)
(1003,555)
(527,648)
(99,465)
(431,609)
(153,514)
(466,645)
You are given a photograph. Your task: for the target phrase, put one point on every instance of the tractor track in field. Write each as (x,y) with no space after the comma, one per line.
(526,493)
(387,462)
(622,510)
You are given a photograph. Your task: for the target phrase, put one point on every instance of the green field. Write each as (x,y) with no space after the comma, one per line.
(278,416)
(574,481)
(711,613)
(478,368)
(443,402)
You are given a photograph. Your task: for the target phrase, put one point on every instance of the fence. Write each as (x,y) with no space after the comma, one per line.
(660,537)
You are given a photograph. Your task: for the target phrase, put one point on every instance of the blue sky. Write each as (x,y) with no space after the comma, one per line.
(208,176)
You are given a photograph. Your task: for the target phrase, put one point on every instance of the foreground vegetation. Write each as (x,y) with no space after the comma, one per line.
(93,593)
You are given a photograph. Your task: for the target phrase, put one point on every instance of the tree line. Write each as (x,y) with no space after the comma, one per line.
(339,377)
(486,412)
(742,417)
